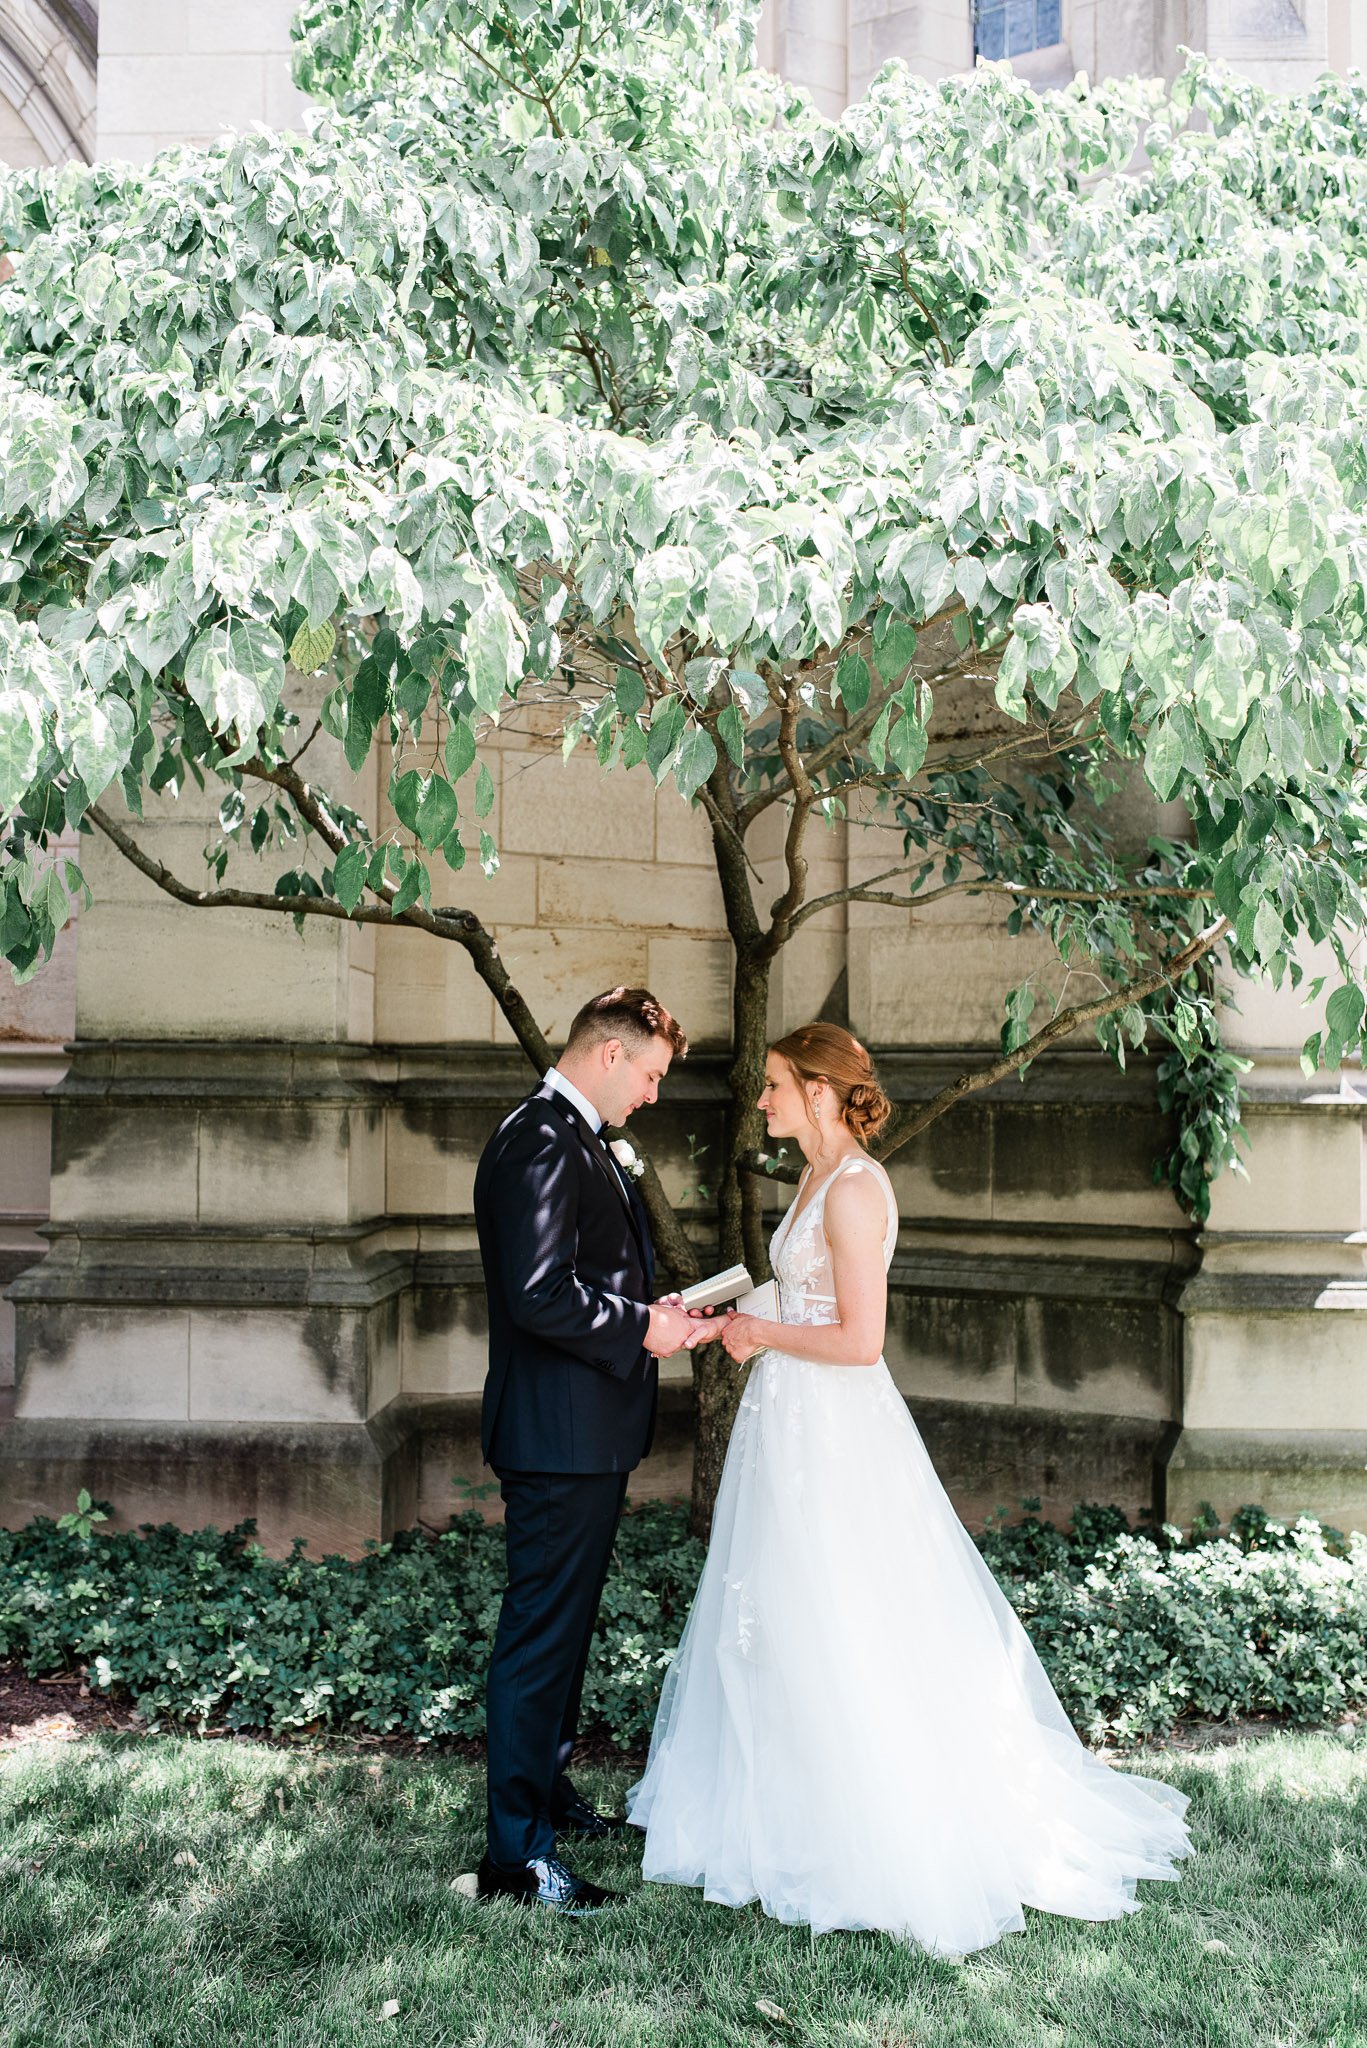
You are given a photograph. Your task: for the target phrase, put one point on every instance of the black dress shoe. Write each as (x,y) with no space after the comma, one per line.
(545,1882)
(578,1820)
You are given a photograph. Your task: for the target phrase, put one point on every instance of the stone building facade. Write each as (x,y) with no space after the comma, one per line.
(248,1155)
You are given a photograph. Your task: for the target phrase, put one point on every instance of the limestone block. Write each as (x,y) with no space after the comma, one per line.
(248,25)
(1269,1369)
(557,972)
(806,982)
(1288,1472)
(211,92)
(1260,1015)
(122,1163)
(428,993)
(815,62)
(333,1484)
(692,978)
(552,807)
(25,1143)
(951,1347)
(360,1016)
(445,1341)
(304,1366)
(946,1171)
(89,1360)
(279,1162)
(432,1154)
(1305,1173)
(144,28)
(1052,1163)
(633,894)
(167,971)
(682,832)
(939,983)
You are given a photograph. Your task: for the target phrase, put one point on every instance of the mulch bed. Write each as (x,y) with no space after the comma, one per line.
(54,1709)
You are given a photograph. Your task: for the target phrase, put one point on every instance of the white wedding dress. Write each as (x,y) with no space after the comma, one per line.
(856,1729)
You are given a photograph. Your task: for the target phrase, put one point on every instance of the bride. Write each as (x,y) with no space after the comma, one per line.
(856,1730)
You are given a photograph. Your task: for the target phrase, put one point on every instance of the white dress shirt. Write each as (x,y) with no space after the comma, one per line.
(556,1080)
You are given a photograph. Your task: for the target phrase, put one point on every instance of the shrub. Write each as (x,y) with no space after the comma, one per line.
(1136,1627)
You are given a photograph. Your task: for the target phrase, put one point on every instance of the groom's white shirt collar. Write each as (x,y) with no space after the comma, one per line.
(556,1080)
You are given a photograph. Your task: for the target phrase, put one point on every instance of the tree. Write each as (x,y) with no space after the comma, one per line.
(574,362)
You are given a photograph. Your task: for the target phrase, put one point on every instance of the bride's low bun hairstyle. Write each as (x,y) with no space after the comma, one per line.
(825,1052)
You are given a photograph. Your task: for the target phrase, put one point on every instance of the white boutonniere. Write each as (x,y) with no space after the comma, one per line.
(626,1158)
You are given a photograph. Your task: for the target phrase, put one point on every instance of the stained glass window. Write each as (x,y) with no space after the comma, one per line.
(1008,28)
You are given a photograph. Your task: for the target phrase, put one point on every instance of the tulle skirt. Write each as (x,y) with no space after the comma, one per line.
(856,1730)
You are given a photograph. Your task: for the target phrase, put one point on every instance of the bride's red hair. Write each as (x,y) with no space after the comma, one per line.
(825,1052)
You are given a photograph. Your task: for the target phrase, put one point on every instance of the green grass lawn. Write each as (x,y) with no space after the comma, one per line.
(157,1890)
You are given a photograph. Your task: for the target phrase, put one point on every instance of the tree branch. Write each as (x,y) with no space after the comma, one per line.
(1022,892)
(804,797)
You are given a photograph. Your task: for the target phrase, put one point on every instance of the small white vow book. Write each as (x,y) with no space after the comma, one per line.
(721,1287)
(761,1301)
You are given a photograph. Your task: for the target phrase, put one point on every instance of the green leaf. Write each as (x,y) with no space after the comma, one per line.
(1321,592)
(878,738)
(732,601)
(1343,1013)
(1267,930)
(852,683)
(312,646)
(894,643)
(100,735)
(348,875)
(409,889)
(696,759)
(666,729)
(1163,758)
(317,590)
(630,692)
(1225,679)
(1252,758)
(907,742)
(460,748)
(495,646)
(436,812)
(235,674)
(731,728)
(484,791)
(663,584)
(1011,679)
(405,795)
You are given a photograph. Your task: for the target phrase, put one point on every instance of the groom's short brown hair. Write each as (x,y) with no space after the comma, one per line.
(632,1014)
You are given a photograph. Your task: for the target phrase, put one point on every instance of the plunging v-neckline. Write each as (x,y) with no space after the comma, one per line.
(795,1214)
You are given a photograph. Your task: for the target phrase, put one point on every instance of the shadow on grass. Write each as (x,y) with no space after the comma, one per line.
(166,1891)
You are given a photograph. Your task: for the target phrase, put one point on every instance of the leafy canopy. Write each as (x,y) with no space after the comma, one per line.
(572,357)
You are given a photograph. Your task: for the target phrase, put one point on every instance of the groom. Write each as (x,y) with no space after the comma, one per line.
(569,1409)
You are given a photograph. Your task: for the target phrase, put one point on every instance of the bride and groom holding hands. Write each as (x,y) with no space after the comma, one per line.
(856,1730)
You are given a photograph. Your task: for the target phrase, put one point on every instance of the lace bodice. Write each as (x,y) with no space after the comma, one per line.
(800,1252)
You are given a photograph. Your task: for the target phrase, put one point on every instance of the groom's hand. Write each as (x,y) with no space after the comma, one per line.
(670,1327)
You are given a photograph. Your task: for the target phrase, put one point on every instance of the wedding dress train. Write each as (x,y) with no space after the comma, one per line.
(856,1729)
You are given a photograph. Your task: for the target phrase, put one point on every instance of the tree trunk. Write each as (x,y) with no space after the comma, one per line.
(717,1382)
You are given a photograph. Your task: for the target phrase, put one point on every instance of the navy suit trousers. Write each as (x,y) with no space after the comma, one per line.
(560,1529)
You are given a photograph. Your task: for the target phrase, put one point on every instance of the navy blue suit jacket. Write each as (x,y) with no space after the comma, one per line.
(570,1273)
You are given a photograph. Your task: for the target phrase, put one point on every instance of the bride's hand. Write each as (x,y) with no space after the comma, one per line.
(741,1338)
